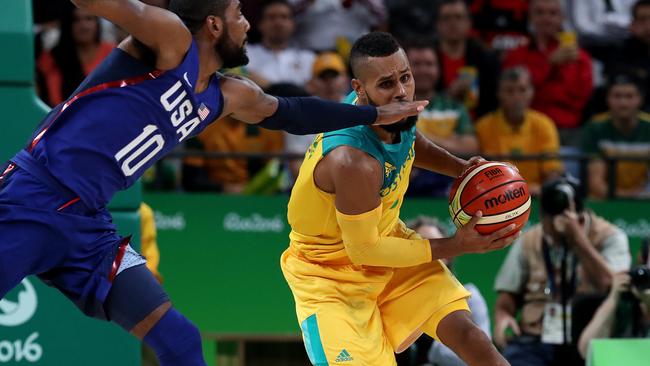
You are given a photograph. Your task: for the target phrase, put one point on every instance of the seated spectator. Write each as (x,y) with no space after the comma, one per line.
(622,132)
(600,24)
(330,82)
(426,350)
(633,57)
(571,252)
(274,60)
(625,313)
(445,121)
(561,71)
(229,175)
(502,25)
(469,72)
(516,130)
(326,25)
(77,53)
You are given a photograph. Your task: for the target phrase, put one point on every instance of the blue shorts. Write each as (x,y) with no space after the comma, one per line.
(68,246)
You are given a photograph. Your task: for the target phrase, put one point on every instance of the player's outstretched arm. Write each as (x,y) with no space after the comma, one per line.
(246,102)
(159,29)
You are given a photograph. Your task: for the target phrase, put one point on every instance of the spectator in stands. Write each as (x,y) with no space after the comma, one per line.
(622,132)
(516,130)
(633,56)
(274,60)
(469,72)
(78,51)
(327,25)
(445,121)
(426,350)
(571,252)
(625,313)
(600,24)
(229,175)
(503,25)
(412,19)
(561,71)
(329,81)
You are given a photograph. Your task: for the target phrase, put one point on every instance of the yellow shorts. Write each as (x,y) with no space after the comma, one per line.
(357,315)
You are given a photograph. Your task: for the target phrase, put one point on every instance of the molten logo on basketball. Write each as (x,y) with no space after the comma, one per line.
(507,196)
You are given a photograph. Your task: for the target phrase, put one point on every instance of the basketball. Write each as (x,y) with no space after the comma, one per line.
(497,190)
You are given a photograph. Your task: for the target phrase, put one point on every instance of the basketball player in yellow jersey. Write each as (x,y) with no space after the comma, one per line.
(364,285)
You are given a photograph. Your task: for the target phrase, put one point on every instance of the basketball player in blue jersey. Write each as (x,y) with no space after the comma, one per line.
(154,91)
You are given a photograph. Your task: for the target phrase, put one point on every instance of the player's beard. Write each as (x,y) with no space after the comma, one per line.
(403,125)
(231,54)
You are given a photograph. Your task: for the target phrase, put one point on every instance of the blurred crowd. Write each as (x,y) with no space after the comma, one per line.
(553,86)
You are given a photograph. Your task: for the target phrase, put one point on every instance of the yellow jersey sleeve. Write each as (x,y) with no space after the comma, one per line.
(365,246)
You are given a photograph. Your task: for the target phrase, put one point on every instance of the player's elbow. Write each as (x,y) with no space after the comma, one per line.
(358,252)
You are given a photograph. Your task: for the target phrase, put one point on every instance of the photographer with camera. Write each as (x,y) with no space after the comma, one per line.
(625,313)
(572,252)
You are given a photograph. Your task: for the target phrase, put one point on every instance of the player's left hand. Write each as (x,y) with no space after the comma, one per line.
(395,112)
(472,162)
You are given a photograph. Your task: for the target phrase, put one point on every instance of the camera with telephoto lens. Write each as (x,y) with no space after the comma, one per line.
(558,194)
(640,277)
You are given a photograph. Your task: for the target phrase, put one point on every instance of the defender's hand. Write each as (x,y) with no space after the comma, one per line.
(395,112)
(468,240)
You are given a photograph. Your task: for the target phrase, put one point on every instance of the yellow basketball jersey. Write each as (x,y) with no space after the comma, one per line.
(315,234)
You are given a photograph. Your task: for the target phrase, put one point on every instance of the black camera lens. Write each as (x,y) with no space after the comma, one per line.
(640,277)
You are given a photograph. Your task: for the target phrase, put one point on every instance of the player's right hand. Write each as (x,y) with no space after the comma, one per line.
(468,240)
(395,112)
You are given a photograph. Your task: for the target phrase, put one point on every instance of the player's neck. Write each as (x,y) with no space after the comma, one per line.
(209,64)
(385,136)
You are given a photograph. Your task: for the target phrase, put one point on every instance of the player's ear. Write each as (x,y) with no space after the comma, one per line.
(215,26)
(360,90)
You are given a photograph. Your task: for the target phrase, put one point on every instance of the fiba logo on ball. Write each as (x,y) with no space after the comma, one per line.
(13,314)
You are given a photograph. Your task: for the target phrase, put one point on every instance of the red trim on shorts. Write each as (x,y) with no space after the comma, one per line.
(11,167)
(118,258)
(111,84)
(72,201)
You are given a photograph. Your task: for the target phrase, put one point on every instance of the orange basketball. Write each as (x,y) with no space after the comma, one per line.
(497,190)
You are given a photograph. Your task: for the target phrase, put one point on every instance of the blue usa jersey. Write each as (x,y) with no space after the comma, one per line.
(123,118)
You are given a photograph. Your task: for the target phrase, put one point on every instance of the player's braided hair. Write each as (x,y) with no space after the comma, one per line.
(194,12)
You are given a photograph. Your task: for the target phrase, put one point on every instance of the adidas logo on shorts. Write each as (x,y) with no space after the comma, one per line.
(344,356)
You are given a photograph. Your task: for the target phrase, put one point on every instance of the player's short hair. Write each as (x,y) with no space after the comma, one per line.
(194,12)
(374,44)
(638,5)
